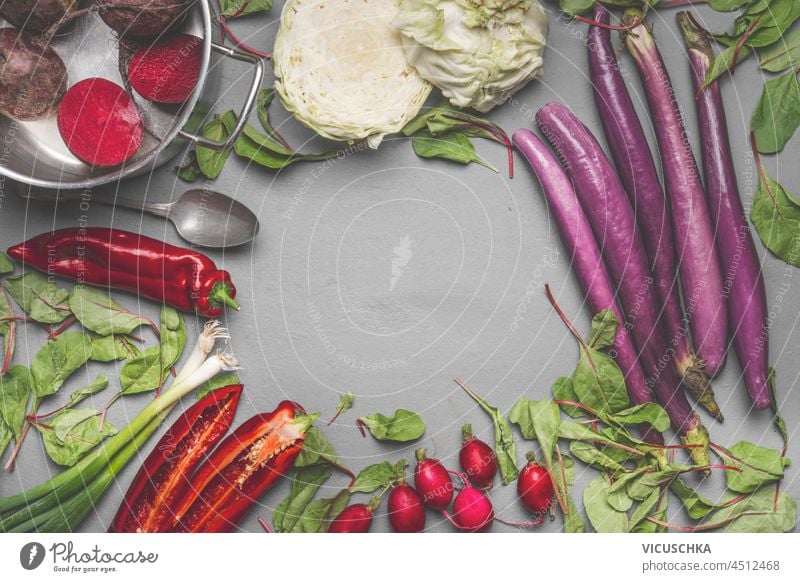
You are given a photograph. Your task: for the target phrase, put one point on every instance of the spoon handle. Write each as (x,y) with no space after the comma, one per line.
(156,208)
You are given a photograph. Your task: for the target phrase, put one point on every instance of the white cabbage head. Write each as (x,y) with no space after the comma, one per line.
(341,69)
(478,52)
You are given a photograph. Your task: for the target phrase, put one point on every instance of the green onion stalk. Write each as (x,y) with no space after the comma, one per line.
(61,504)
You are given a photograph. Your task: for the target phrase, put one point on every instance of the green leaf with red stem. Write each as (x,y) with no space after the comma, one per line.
(71,433)
(98,312)
(306,481)
(15,390)
(777,114)
(757,513)
(237,8)
(6,266)
(756,466)
(39,297)
(780,424)
(8,327)
(505,448)
(57,360)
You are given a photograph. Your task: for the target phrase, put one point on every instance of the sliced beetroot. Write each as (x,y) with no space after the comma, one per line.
(33,77)
(167,71)
(141,18)
(100,123)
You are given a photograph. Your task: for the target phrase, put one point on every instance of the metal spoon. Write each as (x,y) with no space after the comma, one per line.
(202,217)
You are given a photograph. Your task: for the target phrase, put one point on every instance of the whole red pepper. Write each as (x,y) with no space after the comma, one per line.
(118,259)
(241,468)
(164,476)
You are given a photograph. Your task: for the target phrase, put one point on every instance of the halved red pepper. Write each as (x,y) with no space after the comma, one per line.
(165,475)
(241,468)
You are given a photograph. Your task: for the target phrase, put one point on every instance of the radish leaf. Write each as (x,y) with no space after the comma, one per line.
(777,115)
(401,427)
(379,476)
(98,312)
(776,217)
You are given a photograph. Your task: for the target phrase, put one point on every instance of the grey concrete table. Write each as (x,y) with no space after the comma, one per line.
(389,275)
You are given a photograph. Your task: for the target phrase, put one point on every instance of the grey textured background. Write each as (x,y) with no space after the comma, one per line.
(319,316)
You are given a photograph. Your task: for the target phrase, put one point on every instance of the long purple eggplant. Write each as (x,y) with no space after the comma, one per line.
(744,283)
(698,260)
(613,222)
(585,259)
(631,153)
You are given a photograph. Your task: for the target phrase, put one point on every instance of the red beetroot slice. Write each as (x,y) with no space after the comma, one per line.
(167,71)
(100,123)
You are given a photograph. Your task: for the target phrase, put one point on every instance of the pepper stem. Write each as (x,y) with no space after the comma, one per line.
(221,295)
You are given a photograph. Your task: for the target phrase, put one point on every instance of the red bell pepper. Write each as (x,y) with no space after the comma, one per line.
(118,259)
(164,476)
(241,468)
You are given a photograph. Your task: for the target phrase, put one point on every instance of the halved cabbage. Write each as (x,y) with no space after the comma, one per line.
(478,52)
(341,69)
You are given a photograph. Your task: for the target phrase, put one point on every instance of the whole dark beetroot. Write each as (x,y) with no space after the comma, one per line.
(33,78)
(406,510)
(477,459)
(432,482)
(35,15)
(143,18)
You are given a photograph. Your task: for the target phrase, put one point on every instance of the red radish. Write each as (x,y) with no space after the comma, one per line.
(477,459)
(406,511)
(472,511)
(100,123)
(356,518)
(167,71)
(433,482)
(535,487)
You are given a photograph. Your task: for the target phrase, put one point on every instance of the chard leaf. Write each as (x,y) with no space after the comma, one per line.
(219,129)
(780,424)
(564,390)
(98,312)
(40,298)
(221,381)
(756,466)
(758,513)
(603,517)
(379,476)
(603,330)
(305,483)
(319,513)
(316,449)
(599,383)
(57,360)
(344,404)
(71,433)
(777,115)
(784,54)
(236,8)
(190,171)
(5,436)
(6,266)
(143,372)
(724,61)
(591,455)
(649,412)
(6,328)
(564,477)
(110,348)
(505,448)
(648,505)
(98,385)
(776,216)
(173,337)
(15,390)
(403,426)
(454,146)
(696,505)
